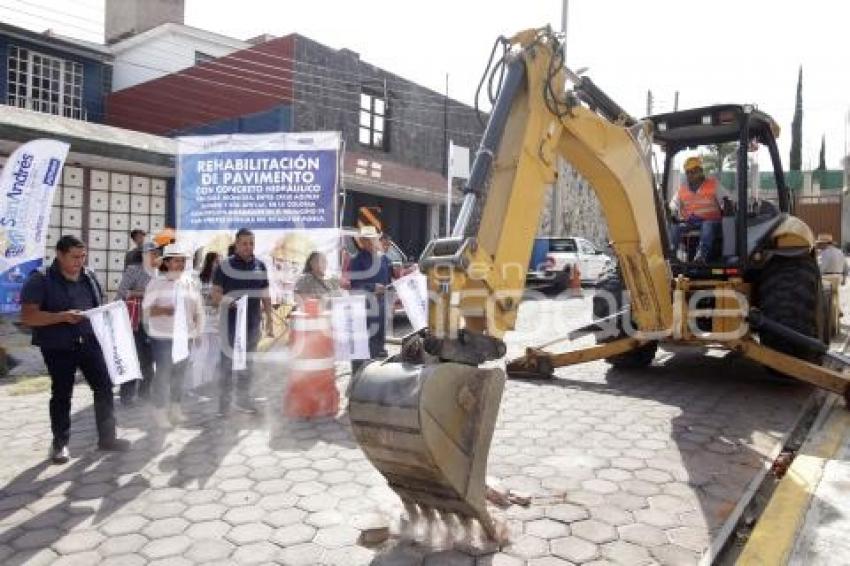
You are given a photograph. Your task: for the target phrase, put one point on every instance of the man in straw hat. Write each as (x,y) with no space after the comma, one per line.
(833,266)
(371,273)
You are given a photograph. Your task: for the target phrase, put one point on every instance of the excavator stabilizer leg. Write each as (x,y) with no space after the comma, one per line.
(427,429)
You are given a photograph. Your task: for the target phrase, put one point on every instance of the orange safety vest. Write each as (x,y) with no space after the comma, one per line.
(702,202)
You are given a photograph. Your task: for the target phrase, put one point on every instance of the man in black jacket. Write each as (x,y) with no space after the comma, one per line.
(52,302)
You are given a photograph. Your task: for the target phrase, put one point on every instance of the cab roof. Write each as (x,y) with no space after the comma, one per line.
(711,125)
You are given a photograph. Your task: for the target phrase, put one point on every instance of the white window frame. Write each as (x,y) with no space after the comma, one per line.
(64,80)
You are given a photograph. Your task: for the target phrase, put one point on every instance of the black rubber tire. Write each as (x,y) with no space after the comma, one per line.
(789,292)
(638,358)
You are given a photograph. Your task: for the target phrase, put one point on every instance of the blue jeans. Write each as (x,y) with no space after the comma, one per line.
(708,232)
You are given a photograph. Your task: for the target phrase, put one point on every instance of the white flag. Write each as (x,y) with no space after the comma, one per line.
(458,161)
(240,335)
(412,290)
(351,333)
(111,325)
(180,337)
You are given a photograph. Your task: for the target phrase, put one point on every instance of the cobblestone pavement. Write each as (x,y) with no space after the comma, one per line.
(622,467)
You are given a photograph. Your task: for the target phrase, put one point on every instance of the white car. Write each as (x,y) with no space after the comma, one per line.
(553,257)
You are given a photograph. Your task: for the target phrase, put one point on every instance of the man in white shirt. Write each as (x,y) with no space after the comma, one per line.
(833,266)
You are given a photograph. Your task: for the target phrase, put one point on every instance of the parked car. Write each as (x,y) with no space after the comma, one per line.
(553,258)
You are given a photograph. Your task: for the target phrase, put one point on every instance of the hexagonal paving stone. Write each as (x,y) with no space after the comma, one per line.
(692,538)
(653,475)
(284,517)
(670,504)
(171,561)
(305,488)
(168,546)
(208,529)
(78,541)
(277,501)
(675,555)
(594,531)
(293,534)
(205,512)
(257,553)
(336,536)
(78,559)
(272,486)
(547,529)
(123,560)
(246,514)
(323,519)
(574,549)
(201,496)
(611,514)
(238,498)
(239,483)
(549,561)
(37,538)
(527,546)
(123,525)
(165,527)
(302,554)
(122,544)
(642,535)
(248,533)
(204,551)
(613,474)
(626,501)
(164,510)
(566,512)
(656,518)
(625,553)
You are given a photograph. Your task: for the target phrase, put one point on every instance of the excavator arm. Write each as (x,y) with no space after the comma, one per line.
(426,421)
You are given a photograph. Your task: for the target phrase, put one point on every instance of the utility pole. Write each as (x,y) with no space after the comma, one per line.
(558,187)
(649,102)
(676,102)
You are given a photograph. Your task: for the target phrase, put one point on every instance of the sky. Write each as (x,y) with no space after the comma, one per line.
(741,51)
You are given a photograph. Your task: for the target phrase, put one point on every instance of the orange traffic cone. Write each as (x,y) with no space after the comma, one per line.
(575,282)
(311,390)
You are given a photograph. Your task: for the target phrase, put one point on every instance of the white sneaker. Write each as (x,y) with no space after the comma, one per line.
(160,418)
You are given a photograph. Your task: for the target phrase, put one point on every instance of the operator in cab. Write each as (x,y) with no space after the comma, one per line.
(698,205)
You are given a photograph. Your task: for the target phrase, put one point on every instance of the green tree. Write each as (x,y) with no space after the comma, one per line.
(822,161)
(796,159)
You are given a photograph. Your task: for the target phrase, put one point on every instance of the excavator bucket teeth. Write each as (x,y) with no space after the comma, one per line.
(427,429)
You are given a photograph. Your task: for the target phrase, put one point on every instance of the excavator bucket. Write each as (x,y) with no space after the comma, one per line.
(427,429)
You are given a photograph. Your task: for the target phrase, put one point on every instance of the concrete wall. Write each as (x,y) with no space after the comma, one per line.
(163,55)
(124,18)
(572,209)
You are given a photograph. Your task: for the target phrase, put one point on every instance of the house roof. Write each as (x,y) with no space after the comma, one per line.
(49,39)
(19,125)
(177,29)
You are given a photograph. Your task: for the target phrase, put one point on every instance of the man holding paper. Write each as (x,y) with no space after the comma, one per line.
(52,301)
(241,275)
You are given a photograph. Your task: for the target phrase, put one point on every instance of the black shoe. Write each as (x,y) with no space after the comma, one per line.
(114,445)
(59,454)
(246,406)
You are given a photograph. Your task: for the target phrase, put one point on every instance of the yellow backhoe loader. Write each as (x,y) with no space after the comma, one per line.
(426,419)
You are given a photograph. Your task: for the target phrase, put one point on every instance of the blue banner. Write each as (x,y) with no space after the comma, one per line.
(275,181)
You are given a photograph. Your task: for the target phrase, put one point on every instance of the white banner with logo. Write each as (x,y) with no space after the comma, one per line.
(350,330)
(27,184)
(412,290)
(240,335)
(111,325)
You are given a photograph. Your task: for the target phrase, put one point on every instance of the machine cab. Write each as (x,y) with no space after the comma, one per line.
(737,148)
